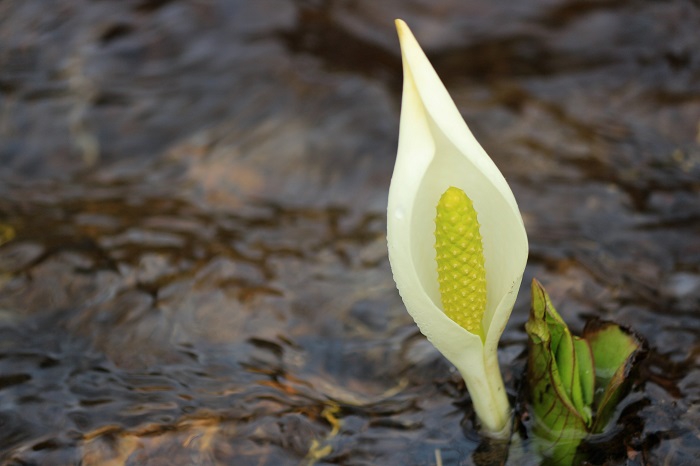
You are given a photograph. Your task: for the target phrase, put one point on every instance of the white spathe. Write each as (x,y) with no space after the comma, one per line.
(437,150)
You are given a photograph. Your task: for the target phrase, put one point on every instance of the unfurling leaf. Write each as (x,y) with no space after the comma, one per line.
(570,378)
(559,426)
(615,351)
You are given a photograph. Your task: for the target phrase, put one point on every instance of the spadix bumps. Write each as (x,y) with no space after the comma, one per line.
(460,260)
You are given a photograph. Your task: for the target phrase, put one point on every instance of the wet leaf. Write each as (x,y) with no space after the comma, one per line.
(571,377)
(554,380)
(615,351)
(584,357)
(569,366)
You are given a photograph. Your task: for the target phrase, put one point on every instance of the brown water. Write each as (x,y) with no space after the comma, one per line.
(193,265)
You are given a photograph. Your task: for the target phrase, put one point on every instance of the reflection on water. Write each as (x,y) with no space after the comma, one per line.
(192,256)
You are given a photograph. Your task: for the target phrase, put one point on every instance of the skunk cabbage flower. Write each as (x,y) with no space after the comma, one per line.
(451,209)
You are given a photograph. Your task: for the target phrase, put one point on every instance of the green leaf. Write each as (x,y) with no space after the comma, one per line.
(615,351)
(557,395)
(584,357)
(568,376)
(568,364)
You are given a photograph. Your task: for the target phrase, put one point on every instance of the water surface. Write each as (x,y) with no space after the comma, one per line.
(193,264)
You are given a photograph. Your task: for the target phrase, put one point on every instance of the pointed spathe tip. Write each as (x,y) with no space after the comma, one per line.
(401,26)
(404,33)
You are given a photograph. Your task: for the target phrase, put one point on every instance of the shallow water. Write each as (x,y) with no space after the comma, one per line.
(193,265)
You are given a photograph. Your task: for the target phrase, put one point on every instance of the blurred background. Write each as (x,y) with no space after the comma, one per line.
(193,262)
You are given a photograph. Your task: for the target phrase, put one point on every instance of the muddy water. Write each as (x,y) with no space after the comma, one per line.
(193,265)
